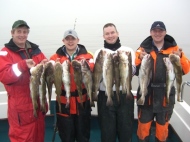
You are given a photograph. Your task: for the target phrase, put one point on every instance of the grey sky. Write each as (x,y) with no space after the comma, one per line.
(136,17)
(48,12)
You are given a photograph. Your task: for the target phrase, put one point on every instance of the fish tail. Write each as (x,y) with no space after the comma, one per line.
(49,102)
(117,96)
(67,103)
(42,107)
(94,96)
(81,99)
(35,113)
(109,101)
(141,101)
(167,100)
(59,102)
(81,104)
(36,105)
(59,107)
(123,91)
(179,99)
(92,104)
(129,96)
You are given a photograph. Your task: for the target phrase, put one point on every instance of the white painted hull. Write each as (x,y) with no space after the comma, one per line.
(180,120)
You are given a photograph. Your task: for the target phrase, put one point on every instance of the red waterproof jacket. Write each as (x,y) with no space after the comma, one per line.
(15,76)
(74,99)
(156,95)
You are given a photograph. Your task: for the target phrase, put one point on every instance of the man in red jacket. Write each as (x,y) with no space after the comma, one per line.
(17,57)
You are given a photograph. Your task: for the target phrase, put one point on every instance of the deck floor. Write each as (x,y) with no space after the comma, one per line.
(95,132)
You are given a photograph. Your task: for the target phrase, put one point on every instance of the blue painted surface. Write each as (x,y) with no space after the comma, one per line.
(95,131)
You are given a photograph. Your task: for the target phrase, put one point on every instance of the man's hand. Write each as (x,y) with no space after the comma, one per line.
(179,52)
(57,60)
(44,61)
(30,63)
(142,54)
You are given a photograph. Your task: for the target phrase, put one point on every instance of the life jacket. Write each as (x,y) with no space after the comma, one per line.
(156,95)
(74,97)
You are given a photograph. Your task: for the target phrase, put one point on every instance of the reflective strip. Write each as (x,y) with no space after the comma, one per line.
(91,61)
(3,53)
(16,70)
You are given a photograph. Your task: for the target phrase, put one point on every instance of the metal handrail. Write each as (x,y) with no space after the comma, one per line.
(182,88)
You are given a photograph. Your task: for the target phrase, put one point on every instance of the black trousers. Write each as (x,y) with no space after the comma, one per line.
(75,127)
(116,121)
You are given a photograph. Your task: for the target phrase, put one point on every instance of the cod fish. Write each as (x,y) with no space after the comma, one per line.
(36,73)
(42,91)
(175,60)
(66,80)
(78,77)
(123,71)
(108,77)
(145,75)
(170,77)
(125,68)
(58,71)
(116,74)
(129,76)
(97,74)
(49,78)
(87,80)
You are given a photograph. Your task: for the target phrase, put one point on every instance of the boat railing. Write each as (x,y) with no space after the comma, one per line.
(182,88)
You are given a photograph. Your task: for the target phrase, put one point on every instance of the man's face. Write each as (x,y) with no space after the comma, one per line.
(158,35)
(20,35)
(110,34)
(71,43)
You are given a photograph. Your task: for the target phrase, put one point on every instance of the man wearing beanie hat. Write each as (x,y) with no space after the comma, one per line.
(17,57)
(73,122)
(159,45)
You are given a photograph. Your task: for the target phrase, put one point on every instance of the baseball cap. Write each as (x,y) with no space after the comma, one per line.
(19,23)
(70,32)
(159,25)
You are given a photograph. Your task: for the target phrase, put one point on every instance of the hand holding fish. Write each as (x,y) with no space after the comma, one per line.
(57,60)
(30,63)
(142,54)
(44,61)
(179,52)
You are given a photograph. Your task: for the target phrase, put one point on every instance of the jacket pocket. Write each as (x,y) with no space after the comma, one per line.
(25,114)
